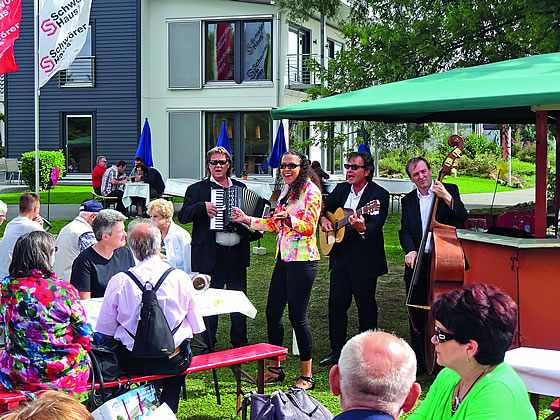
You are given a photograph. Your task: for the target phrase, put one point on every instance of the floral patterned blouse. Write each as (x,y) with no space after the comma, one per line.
(298,242)
(47,335)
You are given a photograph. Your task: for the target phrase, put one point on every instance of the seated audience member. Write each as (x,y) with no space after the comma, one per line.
(121,309)
(474,327)
(112,184)
(316,166)
(152,177)
(27,221)
(374,378)
(50,405)
(93,268)
(134,173)
(47,334)
(97,174)
(74,238)
(176,241)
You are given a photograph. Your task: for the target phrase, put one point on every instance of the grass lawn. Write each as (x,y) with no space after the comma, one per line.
(60,194)
(201,400)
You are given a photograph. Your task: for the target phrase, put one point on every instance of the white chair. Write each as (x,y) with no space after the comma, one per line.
(12,170)
(3,170)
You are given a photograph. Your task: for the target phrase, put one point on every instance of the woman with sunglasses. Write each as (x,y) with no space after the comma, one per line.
(474,327)
(295,219)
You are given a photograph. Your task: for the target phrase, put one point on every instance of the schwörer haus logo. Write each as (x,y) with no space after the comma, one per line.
(63,22)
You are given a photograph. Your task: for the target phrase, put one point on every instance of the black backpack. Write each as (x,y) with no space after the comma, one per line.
(153,337)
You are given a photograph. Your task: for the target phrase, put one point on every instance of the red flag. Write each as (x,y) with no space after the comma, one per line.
(10,20)
(223,51)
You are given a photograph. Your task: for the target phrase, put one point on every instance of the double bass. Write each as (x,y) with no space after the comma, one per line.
(447,262)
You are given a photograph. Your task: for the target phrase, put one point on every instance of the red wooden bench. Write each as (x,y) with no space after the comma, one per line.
(555,407)
(233,358)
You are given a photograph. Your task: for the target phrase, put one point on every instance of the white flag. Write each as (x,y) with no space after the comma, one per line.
(63,26)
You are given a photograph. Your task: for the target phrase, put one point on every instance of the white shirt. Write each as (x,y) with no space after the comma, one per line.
(121,304)
(177,244)
(425,202)
(354,198)
(67,248)
(14,229)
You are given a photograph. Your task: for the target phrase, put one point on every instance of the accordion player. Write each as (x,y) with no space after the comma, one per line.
(247,200)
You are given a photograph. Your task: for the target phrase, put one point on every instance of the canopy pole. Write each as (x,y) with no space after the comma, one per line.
(557,183)
(541,170)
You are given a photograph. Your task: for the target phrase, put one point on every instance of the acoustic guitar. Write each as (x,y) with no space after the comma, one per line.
(339,220)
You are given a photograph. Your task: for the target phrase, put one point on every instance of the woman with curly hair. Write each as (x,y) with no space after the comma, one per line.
(47,334)
(295,220)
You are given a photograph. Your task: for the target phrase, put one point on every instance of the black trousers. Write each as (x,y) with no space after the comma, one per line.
(119,195)
(291,284)
(230,274)
(346,282)
(160,366)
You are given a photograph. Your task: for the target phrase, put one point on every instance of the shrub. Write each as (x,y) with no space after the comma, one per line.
(47,161)
(476,144)
(528,153)
(481,165)
(551,184)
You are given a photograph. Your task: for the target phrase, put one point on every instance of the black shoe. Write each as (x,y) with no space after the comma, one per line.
(276,370)
(331,359)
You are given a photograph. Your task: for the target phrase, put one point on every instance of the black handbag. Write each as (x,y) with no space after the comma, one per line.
(105,367)
(295,404)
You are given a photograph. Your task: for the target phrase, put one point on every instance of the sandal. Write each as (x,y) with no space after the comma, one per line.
(307,379)
(279,372)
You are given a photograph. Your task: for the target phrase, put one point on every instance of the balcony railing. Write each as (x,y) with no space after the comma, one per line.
(298,75)
(80,73)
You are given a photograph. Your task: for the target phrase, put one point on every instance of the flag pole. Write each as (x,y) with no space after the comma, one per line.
(36,74)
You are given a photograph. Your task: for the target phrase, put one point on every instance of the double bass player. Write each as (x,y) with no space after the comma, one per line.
(415,220)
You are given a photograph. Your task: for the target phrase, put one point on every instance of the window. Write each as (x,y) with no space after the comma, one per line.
(82,70)
(78,143)
(250,138)
(333,47)
(239,51)
(299,48)
(335,153)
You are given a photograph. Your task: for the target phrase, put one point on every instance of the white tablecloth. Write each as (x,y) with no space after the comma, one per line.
(211,302)
(136,189)
(538,368)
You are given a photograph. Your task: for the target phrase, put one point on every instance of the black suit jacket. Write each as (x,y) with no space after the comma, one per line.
(410,234)
(367,253)
(203,246)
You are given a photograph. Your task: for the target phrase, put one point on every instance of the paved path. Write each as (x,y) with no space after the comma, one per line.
(503,199)
(472,201)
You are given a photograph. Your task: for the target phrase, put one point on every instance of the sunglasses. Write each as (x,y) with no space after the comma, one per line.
(289,165)
(442,336)
(353,167)
(222,162)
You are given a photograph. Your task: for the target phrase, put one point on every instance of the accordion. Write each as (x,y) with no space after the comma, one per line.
(225,200)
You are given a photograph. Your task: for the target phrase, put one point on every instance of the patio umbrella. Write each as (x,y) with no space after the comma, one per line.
(279,147)
(145,145)
(223,140)
(364,147)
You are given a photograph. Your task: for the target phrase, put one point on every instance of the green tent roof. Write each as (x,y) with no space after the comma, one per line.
(500,92)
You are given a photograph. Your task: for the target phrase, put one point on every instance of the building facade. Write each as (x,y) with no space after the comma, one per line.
(91,109)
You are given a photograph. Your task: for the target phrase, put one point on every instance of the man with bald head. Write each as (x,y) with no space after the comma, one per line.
(375,377)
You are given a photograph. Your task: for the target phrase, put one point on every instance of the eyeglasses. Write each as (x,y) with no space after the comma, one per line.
(289,165)
(353,167)
(222,162)
(442,336)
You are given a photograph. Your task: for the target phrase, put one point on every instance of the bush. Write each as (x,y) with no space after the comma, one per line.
(47,161)
(551,184)
(478,144)
(528,153)
(481,165)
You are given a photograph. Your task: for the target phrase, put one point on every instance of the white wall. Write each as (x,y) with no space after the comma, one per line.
(157,100)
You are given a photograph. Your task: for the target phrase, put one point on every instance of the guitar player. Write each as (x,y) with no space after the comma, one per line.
(357,261)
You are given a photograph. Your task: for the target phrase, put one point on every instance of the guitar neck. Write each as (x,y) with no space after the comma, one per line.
(344,221)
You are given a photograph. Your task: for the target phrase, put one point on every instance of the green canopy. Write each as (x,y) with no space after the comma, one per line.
(502,92)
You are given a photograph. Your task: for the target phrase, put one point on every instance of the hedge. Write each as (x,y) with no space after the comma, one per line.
(47,161)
